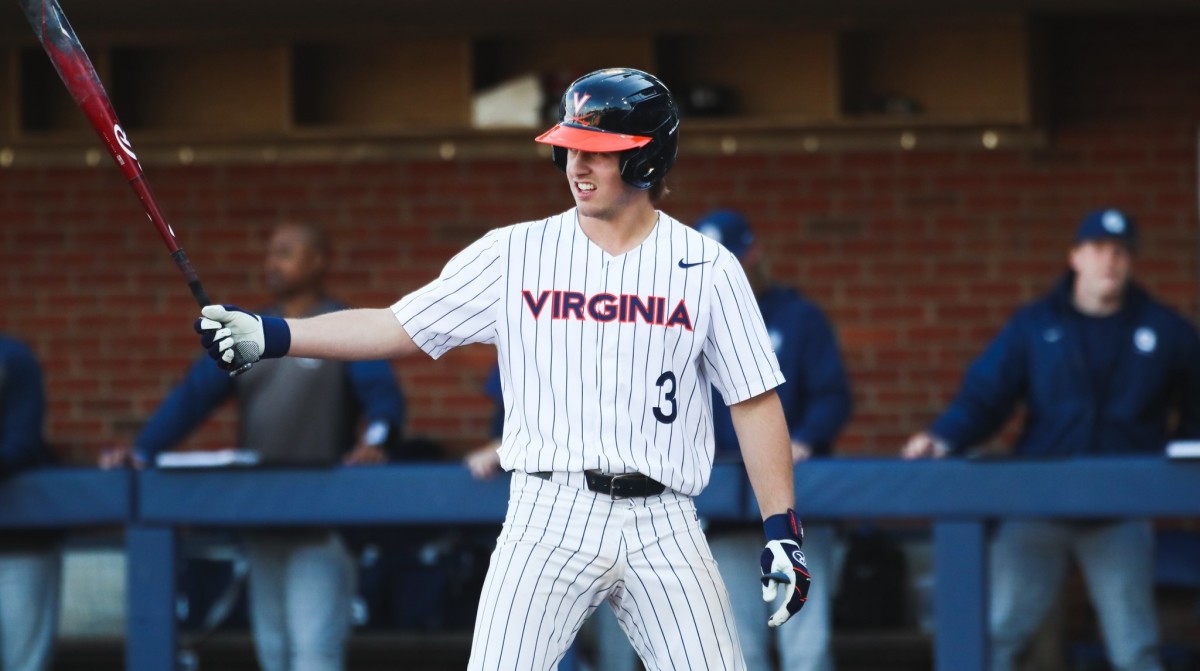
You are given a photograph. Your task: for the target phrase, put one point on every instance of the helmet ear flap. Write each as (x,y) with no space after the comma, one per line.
(636,169)
(559,154)
(643,168)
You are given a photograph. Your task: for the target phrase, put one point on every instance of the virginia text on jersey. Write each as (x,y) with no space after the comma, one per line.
(606,307)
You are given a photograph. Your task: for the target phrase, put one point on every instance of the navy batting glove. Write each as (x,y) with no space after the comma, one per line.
(783,565)
(235,337)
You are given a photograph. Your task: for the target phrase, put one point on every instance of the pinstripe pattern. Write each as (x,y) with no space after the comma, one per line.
(564,551)
(606,363)
(580,392)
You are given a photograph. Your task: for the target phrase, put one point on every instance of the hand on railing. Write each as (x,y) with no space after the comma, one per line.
(120,457)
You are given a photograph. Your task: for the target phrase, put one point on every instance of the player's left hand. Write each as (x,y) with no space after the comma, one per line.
(783,565)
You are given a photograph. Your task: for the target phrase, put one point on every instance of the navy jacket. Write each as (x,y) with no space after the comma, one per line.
(1038,358)
(22,408)
(816,397)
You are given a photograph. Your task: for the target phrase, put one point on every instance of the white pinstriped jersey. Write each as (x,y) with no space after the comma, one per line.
(606,361)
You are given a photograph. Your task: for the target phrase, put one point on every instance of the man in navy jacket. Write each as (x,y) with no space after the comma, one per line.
(1101,366)
(816,403)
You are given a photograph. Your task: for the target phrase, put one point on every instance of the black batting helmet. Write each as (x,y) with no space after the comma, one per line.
(619,109)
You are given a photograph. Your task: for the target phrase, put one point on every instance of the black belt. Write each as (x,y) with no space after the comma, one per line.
(619,486)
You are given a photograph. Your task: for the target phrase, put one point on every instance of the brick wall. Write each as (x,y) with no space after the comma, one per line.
(918,256)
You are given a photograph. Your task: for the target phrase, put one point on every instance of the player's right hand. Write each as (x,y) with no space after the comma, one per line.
(235,337)
(925,445)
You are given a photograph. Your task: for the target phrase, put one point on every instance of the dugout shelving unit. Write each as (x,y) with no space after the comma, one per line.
(958,73)
(968,73)
(206,91)
(42,107)
(416,85)
(779,77)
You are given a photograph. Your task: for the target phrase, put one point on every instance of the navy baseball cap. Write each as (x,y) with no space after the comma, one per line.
(1108,224)
(729,228)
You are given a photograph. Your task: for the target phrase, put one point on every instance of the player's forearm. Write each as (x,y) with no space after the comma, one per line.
(350,335)
(766,451)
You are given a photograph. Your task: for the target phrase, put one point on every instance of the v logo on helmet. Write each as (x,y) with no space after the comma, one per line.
(578,102)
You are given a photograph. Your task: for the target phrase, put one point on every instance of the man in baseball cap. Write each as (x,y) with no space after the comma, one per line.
(816,404)
(1101,367)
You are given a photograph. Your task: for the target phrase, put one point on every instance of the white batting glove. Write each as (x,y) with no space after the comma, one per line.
(236,338)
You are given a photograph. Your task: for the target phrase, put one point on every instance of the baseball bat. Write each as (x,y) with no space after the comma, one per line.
(79,75)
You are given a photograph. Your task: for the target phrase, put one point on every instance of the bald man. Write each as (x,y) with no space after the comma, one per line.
(292,412)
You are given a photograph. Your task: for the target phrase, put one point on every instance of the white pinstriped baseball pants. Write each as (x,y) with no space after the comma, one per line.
(564,550)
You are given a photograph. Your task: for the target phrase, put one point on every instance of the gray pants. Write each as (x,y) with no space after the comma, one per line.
(29,587)
(803,642)
(1028,565)
(301,590)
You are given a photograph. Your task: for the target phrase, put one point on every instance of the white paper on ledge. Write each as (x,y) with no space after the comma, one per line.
(1183,449)
(207,459)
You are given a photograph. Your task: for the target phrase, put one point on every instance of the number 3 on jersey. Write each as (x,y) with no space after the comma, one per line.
(668,396)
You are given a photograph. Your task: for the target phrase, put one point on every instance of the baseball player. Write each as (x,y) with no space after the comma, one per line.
(611,322)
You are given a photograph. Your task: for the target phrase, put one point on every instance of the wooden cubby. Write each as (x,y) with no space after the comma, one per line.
(45,107)
(951,73)
(206,89)
(783,77)
(410,84)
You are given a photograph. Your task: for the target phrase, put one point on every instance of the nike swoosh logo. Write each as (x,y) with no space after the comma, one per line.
(689,265)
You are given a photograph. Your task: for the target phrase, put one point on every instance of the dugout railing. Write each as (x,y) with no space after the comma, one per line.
(960,497)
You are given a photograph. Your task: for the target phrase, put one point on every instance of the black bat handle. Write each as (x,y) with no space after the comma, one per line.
(198,292)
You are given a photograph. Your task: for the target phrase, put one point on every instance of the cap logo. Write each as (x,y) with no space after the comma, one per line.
(578,102)
(1113,222)
(1145,339)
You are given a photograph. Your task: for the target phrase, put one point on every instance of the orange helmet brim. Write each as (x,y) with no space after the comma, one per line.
(597,141)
